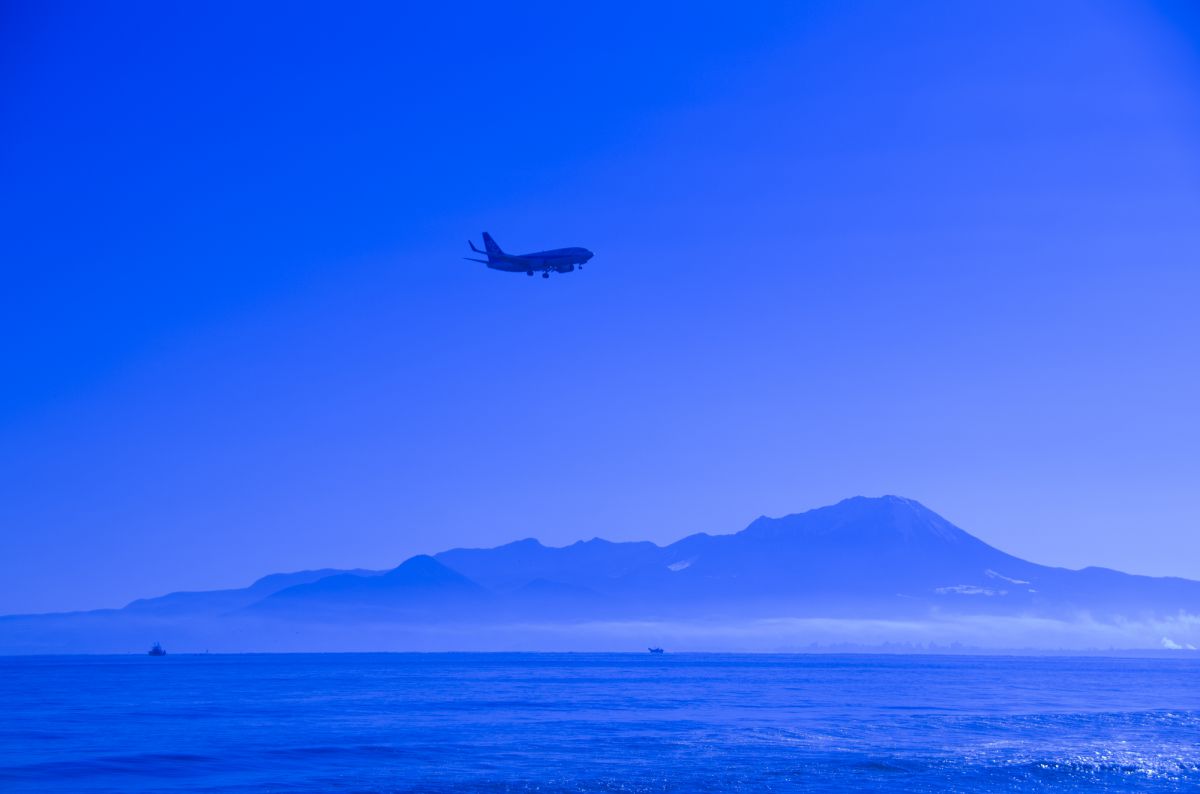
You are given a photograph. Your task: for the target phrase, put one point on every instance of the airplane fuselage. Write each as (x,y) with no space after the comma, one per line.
(561,260)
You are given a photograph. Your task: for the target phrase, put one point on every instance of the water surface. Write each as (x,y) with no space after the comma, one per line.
(598,722)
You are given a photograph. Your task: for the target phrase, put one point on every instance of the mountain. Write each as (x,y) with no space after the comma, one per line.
(885,556)
(417,586)
(215,602)
(863,570)
(592,563)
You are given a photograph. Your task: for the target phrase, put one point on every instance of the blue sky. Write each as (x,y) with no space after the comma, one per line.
(942,250)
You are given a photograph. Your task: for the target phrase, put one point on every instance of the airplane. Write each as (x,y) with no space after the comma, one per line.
(560,260)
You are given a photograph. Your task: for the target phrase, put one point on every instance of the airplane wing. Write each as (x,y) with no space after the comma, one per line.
(469,259)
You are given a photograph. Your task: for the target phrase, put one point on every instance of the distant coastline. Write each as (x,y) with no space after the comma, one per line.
(869,575)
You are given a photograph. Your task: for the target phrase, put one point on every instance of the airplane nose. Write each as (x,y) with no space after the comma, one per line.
(589,256)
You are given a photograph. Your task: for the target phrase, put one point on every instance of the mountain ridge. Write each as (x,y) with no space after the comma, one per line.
(863,559)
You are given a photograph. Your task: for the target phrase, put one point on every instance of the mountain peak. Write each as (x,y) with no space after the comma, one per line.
(865,517)
(888,501)
(593,543)
(425,569)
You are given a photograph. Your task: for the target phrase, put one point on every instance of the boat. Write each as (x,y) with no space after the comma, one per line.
(157,650)
(655,650)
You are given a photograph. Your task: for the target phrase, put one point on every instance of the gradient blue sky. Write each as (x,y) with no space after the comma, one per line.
(946,250)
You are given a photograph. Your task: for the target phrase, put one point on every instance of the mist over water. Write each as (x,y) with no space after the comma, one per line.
(598,722)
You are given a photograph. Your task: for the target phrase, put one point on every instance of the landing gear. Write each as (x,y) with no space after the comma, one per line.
(546,274)
(529,272)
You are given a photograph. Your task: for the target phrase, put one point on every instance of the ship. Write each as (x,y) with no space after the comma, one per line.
(655,650)
(157,650)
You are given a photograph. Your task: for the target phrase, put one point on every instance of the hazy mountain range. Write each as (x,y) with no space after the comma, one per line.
(866,571)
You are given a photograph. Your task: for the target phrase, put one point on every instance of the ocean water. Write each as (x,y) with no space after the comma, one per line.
(598,722)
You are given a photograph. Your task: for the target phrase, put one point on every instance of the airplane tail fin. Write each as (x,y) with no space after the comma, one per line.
(490,245)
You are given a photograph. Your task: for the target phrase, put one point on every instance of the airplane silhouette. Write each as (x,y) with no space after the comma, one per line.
(560,260)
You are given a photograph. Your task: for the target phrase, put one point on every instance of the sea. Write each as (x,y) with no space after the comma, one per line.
(598,722)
